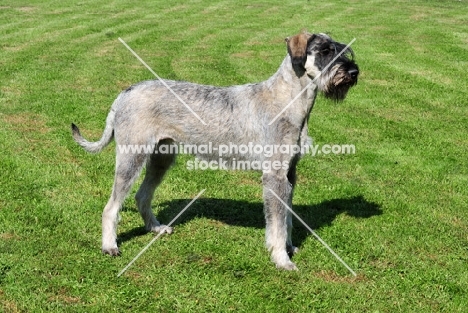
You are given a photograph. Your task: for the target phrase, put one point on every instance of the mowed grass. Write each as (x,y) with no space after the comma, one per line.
(395,211)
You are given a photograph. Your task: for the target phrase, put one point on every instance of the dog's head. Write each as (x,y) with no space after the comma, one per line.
(329,63)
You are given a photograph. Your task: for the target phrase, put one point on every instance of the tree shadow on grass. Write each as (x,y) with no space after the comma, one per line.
(250,214)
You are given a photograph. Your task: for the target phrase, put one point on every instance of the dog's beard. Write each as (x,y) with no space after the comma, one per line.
(336,93)
(337,82)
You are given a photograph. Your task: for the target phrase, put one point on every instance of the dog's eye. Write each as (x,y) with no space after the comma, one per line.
(325,51)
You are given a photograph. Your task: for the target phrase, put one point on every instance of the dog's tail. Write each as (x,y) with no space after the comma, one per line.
(107,136)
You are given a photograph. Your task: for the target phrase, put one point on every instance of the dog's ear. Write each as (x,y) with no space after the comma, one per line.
(297,47)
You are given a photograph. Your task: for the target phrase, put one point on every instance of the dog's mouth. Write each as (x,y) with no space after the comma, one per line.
(345,81)
(338,88)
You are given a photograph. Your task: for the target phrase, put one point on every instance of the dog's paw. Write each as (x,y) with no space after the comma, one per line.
(292,250)
(289,266)
(162,229)
(111,251)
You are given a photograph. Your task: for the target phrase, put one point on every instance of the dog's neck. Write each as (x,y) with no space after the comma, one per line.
(292,80)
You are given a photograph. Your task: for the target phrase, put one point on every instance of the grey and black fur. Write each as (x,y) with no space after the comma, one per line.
(149,114)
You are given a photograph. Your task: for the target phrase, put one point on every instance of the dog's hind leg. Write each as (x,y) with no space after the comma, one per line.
(156,167)
(278,217)
(128,167)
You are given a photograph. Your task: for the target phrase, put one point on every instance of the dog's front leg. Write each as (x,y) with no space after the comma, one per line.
(278,217)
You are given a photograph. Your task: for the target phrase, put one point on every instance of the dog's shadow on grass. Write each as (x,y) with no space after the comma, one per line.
(250,214)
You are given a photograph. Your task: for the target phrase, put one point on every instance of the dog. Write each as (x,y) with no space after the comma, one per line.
(272,112)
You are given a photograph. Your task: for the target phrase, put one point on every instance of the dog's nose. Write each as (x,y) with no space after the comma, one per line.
(353,72)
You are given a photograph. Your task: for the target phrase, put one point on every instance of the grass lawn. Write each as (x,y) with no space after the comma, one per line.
(395,211)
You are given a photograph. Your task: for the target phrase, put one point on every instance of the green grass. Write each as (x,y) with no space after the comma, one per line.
(396,211)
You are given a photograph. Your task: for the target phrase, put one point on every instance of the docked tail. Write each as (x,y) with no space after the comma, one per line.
(95,147)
